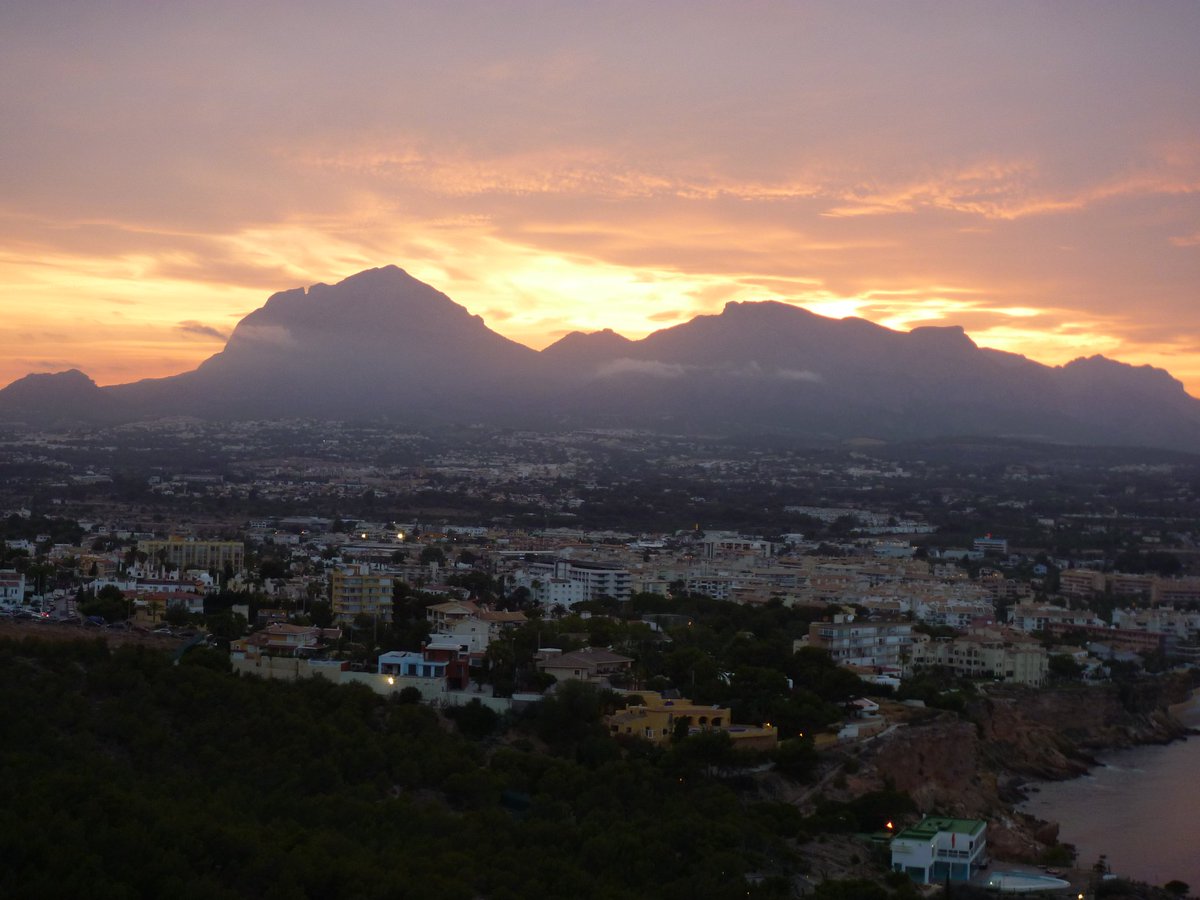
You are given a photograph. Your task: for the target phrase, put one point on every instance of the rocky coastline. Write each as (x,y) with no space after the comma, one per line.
(981,764)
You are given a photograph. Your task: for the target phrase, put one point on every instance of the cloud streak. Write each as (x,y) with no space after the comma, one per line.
(199,329)
(652,368)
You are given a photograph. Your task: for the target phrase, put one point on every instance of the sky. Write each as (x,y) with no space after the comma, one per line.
(1027,170)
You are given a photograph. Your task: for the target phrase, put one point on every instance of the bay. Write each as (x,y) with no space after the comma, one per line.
(1140,807)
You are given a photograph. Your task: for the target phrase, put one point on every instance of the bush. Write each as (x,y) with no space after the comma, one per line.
(474,720)
(797,759)
(1058,855)
(852,889)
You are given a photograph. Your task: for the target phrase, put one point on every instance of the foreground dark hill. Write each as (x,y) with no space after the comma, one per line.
(382,344)
(129,777)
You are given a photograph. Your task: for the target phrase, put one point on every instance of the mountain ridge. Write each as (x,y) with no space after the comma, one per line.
(382,343)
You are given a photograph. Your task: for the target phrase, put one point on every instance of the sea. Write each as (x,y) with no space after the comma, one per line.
(1140,808)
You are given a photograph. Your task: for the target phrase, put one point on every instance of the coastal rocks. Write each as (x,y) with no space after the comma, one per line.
(939,765)
(1052,734)
(977,767)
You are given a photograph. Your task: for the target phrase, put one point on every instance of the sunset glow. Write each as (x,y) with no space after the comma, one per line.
(557,167)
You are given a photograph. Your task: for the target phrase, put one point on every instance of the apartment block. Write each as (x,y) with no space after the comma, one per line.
(1041,616)
(569,581)
(1080,582)
(985,654)
(855,643)
(356,590)
(185,553)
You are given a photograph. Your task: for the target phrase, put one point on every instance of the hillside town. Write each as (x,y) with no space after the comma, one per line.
(878,587)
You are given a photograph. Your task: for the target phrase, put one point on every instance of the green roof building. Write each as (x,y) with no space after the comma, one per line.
(940,847)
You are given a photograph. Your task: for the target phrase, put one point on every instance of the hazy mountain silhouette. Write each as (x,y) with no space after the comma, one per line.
(377,343)
(65,397)
(381,343)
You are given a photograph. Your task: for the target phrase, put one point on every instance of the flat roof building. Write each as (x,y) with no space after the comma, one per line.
(185,553)
(939,848)
(357,590)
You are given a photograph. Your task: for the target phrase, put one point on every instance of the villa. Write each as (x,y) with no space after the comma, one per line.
(939,848)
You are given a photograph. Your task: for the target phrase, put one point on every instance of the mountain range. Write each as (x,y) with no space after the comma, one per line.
(382,344)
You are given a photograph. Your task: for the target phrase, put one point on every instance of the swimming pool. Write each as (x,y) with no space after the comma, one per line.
(1025,882)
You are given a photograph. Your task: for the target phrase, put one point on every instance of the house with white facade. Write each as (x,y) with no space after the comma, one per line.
(939,848)
(12,587)
(469,625)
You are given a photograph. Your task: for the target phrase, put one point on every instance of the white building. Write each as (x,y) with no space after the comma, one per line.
(1040,616)
(991,544)
(858,643)
(960,614)
(719,544)
(465,624)
(570,581)
(12,587)
(940,848)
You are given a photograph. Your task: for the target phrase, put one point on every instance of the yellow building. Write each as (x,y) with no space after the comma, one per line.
(356,590)
(208,556)
(657,718)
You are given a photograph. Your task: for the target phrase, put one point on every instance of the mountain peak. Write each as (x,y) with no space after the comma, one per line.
(382,343)
(383,276)
(586,346)
(763,308)
(67,380)
(372,306)
(70,393)
(1098,369)
(948,336)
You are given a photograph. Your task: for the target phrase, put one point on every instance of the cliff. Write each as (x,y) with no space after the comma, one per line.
(977,766)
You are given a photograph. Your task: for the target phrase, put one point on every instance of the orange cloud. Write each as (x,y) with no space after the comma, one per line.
(550,190)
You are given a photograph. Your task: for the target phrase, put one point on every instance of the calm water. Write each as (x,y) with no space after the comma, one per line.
(1141,808)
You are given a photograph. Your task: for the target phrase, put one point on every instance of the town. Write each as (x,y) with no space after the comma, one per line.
(804,604)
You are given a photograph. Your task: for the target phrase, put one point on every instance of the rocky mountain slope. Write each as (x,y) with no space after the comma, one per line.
(382,344)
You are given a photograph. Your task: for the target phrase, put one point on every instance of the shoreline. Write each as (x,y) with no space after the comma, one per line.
(1187,712)
(1185,715)
(1161,726)
(1127,771)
